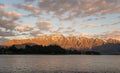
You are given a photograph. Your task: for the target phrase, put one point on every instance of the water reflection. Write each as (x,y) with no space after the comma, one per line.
(65,63)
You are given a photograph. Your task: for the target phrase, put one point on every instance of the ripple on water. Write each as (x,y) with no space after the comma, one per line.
(58,71)
(59,64)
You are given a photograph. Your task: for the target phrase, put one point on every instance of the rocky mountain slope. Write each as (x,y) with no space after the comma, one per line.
(65,42)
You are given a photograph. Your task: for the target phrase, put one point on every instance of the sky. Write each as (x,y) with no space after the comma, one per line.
(20,19)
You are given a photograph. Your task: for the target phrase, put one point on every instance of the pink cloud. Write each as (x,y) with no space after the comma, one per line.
(44,22)
(11,14)
(25,28)
(21,29)
(29,26)
(1,7)
(30,8)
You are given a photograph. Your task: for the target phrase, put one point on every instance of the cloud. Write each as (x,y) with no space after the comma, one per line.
(6,33)
(11,14)
(118,16)
(90,19)
(100,18)
(2,6)
(110,25)
(19,37)
(44,22)
(21,29)
(69,9)
(96,18)
(30,8)
(115,22)
(90,25)
(115,34)
(60,27)
(8,24)
(3,40)
(69,31)
(30,1)
(29,26)
(44,25)
(86,35)
(25,28)
(36,33)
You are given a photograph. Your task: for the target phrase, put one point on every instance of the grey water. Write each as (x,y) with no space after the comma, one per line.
(59,64)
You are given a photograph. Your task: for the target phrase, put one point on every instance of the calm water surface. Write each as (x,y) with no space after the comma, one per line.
(59,64)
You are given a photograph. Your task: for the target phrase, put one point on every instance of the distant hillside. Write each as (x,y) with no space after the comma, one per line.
(108,46)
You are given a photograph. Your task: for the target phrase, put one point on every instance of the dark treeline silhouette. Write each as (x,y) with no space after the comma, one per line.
(39,49)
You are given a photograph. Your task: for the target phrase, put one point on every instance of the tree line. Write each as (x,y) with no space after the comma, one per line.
(44,50)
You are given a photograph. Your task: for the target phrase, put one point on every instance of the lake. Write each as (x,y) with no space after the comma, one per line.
(59,64)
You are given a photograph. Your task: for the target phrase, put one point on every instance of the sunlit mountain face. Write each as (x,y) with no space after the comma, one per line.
(59,22)
(67,43)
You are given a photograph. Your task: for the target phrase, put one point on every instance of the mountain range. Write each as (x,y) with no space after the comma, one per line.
(104,46)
